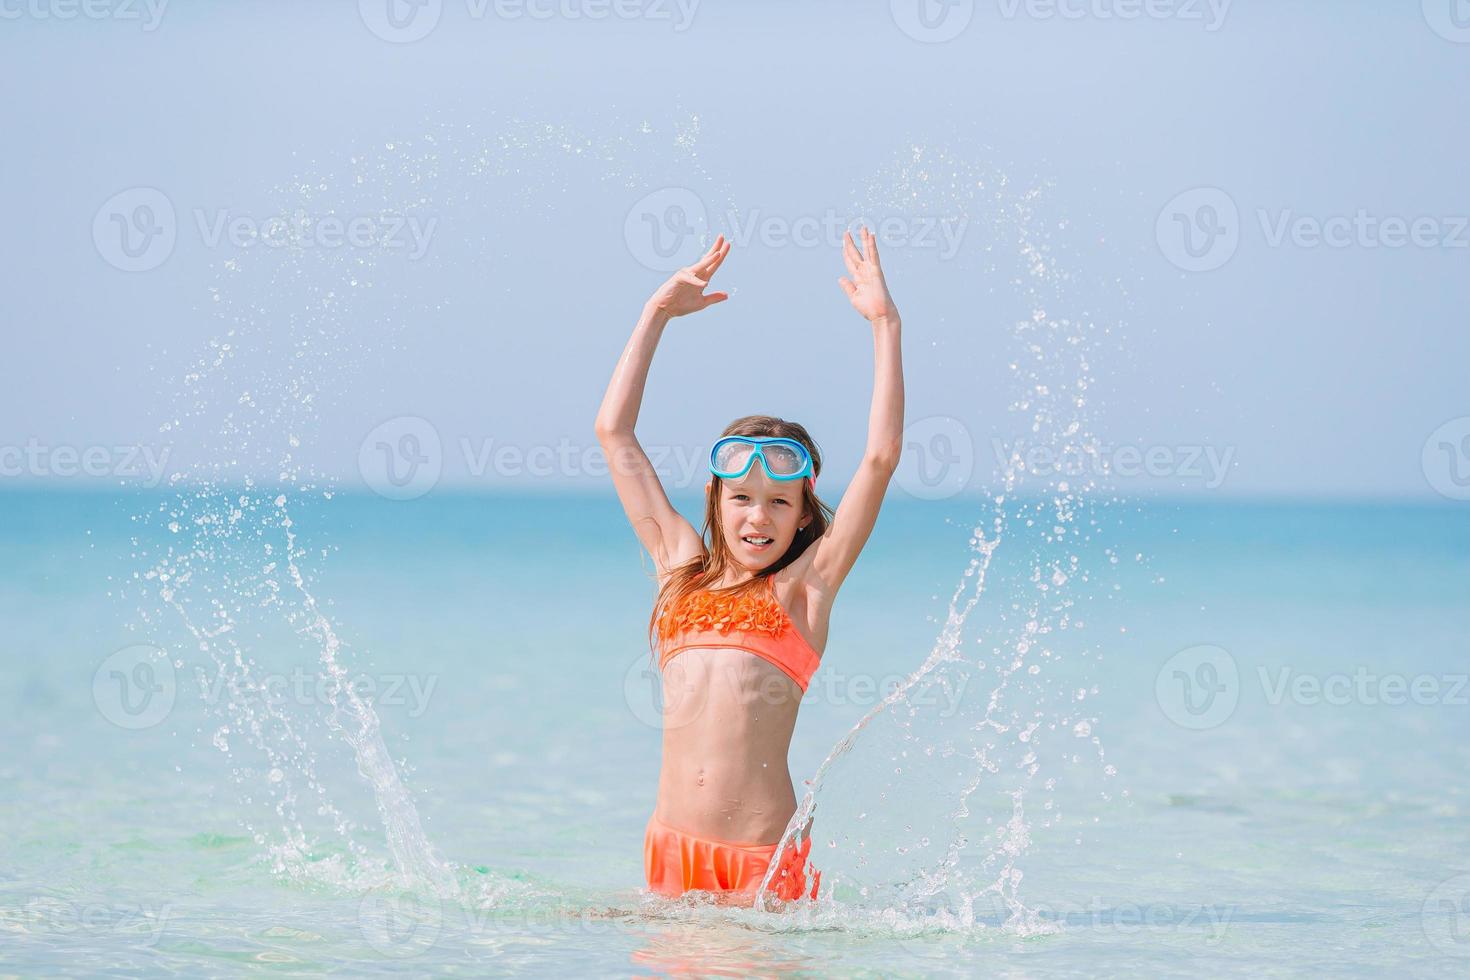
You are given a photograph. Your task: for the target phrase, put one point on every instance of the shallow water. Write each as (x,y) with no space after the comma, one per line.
(1316,825)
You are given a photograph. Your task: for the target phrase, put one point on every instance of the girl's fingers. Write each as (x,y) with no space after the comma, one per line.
(698,265)
(714,298)
(847,286)
(713,258)
(850,255)
(870,245)
(714,264)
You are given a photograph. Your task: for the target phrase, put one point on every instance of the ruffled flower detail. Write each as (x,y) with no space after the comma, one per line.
(702,611)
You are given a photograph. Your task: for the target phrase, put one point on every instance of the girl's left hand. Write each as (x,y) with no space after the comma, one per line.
(866,288)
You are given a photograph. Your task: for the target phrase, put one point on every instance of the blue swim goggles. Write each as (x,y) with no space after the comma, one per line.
(783,459)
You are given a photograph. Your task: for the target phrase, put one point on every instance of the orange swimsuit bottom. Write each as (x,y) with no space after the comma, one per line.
(675,861)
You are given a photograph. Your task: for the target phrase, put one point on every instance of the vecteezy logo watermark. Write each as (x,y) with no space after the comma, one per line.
(400,21)
(938,458)
(1199,231)
(143,463)
(301,229)
(663,230)
(932,21)
(1207,464)
(1198,687)
(826,230)
(402,458)
(400,925)
(405,21)
(1207,923)
(667,229)
(1445,916)
(135,230)
(141,924)
(304,688)
(1450,19)
(677,466)
(1363,230)
(666,704)
(403,924)
(1211,13)
(1365,687)
(149,12)
(135,687)
(1446,459)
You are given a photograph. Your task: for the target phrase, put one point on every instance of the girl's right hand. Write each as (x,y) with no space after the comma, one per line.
(684,292)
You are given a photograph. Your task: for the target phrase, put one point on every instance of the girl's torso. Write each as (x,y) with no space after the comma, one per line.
(729,715)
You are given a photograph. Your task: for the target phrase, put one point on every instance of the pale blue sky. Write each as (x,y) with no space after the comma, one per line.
(1319,370)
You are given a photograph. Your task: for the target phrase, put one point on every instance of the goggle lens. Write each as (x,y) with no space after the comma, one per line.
(733,456)
(780,459)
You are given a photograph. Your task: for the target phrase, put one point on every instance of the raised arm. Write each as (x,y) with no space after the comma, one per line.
(663,531)
(838,549)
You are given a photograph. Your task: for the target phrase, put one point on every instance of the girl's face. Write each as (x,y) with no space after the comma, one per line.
(760,516)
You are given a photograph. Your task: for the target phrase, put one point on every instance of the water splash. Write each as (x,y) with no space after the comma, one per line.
(225,576)
(920,817)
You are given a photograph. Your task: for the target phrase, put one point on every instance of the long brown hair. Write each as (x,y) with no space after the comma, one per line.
(716,559)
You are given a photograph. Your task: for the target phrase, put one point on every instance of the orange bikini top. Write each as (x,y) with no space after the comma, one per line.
(754,622)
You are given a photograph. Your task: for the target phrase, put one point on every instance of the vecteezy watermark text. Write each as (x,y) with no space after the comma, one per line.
(1210,13)
(405,457)
(667,229)
(937,21)
(1363,686)
(149,13)
(406,924)
(1199,687)
(406,21)
(136,687)
(305,688)
(141,924)
(1207,464)
(300,229)
(137,229)
(37,459)
(1201,230)
(1363,229)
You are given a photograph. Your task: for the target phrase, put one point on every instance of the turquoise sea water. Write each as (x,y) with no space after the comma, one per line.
(1279,692)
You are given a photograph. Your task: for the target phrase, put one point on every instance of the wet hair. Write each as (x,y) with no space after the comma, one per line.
(716,557)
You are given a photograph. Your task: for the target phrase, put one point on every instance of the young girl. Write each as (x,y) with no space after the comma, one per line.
(740,621)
